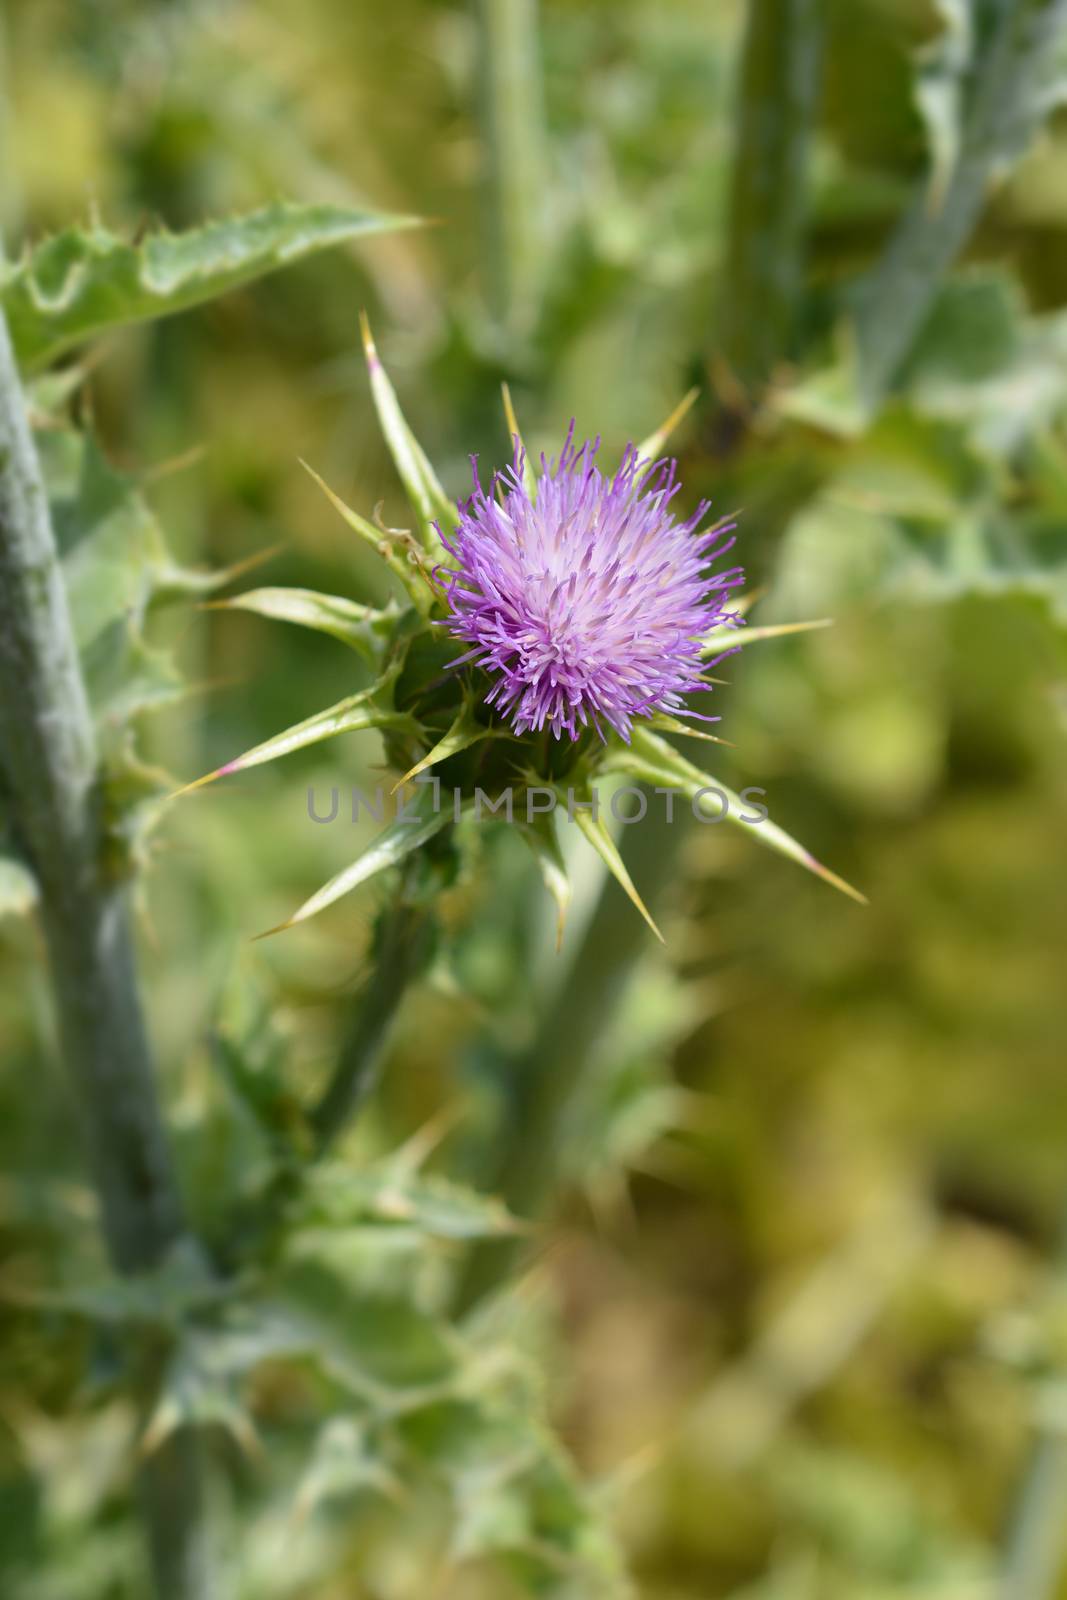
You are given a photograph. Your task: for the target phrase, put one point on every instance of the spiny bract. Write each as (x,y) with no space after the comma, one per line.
(588,602)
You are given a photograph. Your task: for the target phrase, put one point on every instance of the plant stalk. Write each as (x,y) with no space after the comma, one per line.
(541,1084)
(1036,1546)
(1005,109)
(51,778)
(402,943)
(514,145)
(10,192)
(1037,1541)
(765,238)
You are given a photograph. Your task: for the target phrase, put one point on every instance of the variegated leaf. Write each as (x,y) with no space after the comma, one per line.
(83,281)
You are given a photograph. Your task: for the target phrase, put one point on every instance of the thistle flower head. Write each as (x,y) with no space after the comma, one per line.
(586,604)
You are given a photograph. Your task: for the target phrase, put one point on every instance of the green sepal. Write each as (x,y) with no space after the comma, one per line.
(411,568)
(651,760)
(665,723)
(724,641)
(398,840)
(541,836)
(651,449)
(422,486)
(529,477)
(370,708)
(593,827)
(365,630)
(465,731)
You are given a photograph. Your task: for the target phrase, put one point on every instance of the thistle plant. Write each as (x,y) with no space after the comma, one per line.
(593,616)
(558,631)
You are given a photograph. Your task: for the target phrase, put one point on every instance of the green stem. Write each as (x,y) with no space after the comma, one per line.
(1005,108)
(10,194)
(1037,1543)
(764,252)
(514,145)
(541,1084)
(1036,1547)
(401,946)
(51,778)
(170,1493)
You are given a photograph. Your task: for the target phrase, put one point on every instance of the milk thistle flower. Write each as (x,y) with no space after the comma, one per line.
(590,610)
(586,600)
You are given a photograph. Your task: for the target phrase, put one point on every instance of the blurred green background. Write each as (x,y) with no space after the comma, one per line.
(795,1305)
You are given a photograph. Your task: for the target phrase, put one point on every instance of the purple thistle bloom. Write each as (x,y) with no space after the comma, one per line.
(589,603)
